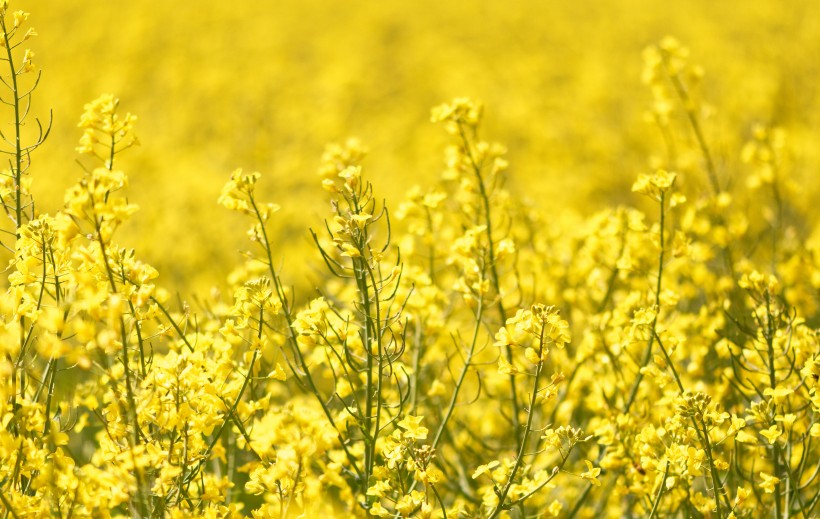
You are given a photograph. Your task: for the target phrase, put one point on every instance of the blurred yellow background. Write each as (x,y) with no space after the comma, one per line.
(265,85)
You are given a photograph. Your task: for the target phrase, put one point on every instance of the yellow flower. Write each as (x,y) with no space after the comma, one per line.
(742,494)
(436,389)
(503,338)
(378,510)
(788,420)
(778,393)
(28,66)
(744,436)
(19,18)
(772,433)
(104,126)
(769,482)
(591,473)
(350,250)
(654,185)
(736,425)
(379,489)
(505,368)
(361,219)
(532,356)
(485,469)
(694,460)
(461,110)
(758,283)
(412,427)
(278,373)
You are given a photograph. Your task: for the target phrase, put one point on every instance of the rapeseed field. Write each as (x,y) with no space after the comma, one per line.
(433,259)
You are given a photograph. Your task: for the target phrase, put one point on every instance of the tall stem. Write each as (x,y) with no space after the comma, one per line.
(18,146)
(648,353)
(528,428)
(494,277)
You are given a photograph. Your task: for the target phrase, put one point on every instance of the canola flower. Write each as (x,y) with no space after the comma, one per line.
(458,359)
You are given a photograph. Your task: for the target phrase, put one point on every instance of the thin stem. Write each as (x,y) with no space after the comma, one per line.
(660,492)
(707,446)
(462,375)
(689,108)
(769,335)
(287,312)
(523,444)
(494,277)
(648,353)
(18,148)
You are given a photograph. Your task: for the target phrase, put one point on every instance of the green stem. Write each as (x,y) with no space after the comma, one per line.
(176,327)
(129,392)
(648,353)
(288,314)
(660,492)
(467,363)
(692,116)
(367,339)
(769,334)
(494,277)
(707,445)
(523,443)
(376,324)
(18,147)
(231,413)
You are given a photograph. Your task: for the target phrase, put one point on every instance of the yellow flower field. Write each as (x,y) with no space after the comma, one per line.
(432,259)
